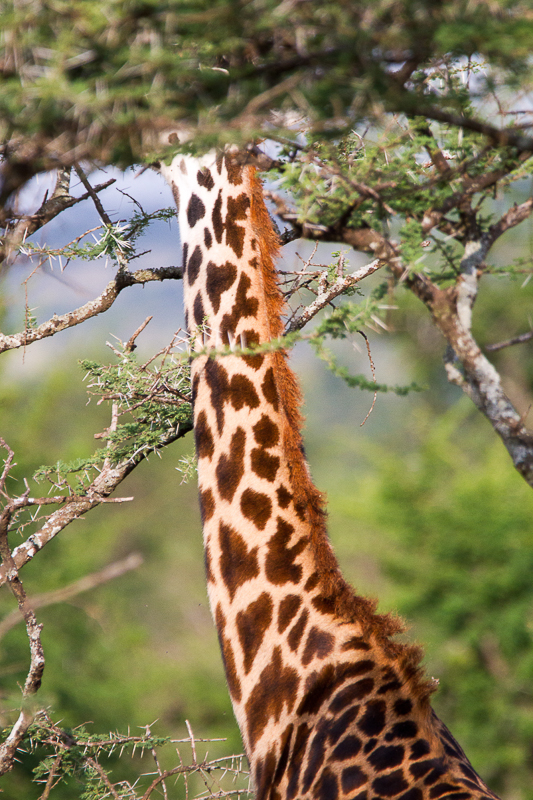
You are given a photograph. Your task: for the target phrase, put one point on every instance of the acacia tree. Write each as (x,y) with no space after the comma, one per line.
(386,126)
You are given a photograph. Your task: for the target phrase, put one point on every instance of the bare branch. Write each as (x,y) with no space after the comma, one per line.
(90,309)
(524,337)
(50,208)
(328,293)
(85,584)
(35,672)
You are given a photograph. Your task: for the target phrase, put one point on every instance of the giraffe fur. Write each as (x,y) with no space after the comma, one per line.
(330,705)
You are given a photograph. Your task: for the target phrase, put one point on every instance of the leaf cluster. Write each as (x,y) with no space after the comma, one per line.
(151,407)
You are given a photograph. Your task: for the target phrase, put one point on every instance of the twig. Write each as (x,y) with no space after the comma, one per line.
(85,584)
(327,294)
(523,337)
(90,309)
(365,337)
(35,672)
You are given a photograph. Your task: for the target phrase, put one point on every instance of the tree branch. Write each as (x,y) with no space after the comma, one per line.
(90,309)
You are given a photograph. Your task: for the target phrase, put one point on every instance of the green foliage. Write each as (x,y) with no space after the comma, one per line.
(154,397)
(103,74)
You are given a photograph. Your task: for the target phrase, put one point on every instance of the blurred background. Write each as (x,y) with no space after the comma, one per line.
(425,509)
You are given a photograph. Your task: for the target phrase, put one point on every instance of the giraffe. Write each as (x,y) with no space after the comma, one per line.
(329,704)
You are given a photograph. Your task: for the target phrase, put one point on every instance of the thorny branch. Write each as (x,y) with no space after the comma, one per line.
(35,672)
(19,229)
(94,307)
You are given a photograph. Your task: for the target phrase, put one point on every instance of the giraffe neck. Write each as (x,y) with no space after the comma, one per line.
(302,652)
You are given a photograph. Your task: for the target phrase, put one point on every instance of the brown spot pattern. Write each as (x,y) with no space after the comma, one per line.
(279,565)
(287,610)
(251,626)
(237,211)
(264,465)
(195,210)
(238,564)
(217,380)
(242,393)
(297,631)
(198,309)
(208,238)
(204,178)
(266,432)
(234,684)
(256,507)
(230,468)
(207,505)
(244,307)
(276,688)
(193,265)
(205,445)
(319,644)
(219,279)
(218,224)
(269,389)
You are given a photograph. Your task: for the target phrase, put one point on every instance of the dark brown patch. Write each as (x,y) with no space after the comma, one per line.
(208,238)
(207,562)
(356,643)
(297,760)
(341,724)
(275,690)
(386,757)
(217,380)
(218,224)
(279,565)
(205,446)
(198,309)
(390,785)
(348,748)
(254,262)
(234,684)
(264,465)
(312,582)
(352,778)
(266,434)
(230,468)
(251,337)
(295,634)
(351,693)
(242,393)
(420,749)
(234,170)
(207,505)
(403,730)
(269,389)
(219,279)
(318,688)
(318,645)
(237,210)
(324,604)
(403,706)
(238,564)
(373,720)
(285,747)
(175,194)
(243,307)
(195,210)
(315,757)
(326,787)
(251,626)
(193,265)
(287,610)
(204,178)
(264,773)
(256,507)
